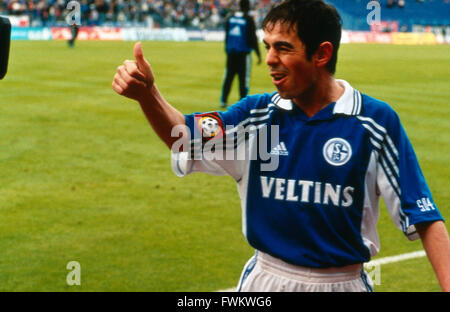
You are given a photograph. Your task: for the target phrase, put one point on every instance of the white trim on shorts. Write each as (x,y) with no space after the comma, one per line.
(248,268)
(266,273)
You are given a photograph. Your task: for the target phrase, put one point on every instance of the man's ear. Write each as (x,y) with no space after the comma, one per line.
(323,54)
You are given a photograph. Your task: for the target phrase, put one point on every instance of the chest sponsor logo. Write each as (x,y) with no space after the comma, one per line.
(337,151)
(306,191)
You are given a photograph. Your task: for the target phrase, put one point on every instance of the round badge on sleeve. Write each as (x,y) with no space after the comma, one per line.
(337,151)
(210,126)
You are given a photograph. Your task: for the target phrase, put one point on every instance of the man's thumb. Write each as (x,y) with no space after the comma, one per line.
(139,56)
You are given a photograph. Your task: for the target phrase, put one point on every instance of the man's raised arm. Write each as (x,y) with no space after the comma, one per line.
(135,80)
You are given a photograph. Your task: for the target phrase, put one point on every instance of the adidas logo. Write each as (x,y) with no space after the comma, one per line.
(280,149)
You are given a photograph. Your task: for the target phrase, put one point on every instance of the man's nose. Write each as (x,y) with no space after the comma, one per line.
(271,57)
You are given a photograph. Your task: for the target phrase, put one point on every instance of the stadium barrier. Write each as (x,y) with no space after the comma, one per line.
(88,33)
(390,38)
(181,34)
(99,33)
(414,38)
(31,33)
(165,34)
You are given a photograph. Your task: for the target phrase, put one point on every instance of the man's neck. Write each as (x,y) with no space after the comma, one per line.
(323,92)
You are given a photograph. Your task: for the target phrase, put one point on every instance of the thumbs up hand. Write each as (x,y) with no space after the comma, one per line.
(134,79)
(143,64)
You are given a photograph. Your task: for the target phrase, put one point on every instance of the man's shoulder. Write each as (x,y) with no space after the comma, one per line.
(377,110)
(255,101)
(261,100)
(373,106)
(249,110)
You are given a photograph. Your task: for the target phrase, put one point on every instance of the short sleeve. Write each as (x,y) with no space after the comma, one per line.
(401,181)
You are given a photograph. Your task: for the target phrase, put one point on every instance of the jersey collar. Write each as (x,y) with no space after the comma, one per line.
(348,104)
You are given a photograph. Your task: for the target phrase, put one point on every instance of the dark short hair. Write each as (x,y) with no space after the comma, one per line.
(244,5)
(315,21)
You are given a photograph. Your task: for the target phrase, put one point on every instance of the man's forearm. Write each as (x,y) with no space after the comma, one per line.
(135,80)
(162,116)
(436,243)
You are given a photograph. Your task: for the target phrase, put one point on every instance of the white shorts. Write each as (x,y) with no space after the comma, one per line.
(264,273)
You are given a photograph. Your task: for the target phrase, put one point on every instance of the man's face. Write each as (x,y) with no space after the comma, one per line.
(292,73)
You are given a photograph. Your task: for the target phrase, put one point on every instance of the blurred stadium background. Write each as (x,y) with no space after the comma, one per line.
(83,177)
(430,16)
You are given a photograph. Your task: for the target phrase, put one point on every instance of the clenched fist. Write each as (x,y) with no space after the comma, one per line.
(134,79)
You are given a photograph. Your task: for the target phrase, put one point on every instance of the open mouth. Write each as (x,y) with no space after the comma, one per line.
(278,78)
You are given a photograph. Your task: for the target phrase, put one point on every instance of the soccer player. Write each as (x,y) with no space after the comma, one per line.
(312,216)
(240,40)
(74,29)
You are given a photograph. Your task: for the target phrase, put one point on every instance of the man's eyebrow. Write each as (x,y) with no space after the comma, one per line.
(280,44)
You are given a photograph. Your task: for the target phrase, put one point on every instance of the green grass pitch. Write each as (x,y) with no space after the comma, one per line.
(84,178)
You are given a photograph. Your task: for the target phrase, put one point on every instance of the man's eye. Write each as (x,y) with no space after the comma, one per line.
(283,48)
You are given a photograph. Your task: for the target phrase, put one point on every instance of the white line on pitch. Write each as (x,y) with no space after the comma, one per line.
(385,260)
(397,258)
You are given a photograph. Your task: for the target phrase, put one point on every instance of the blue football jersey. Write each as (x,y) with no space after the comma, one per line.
(310,187)
(236,36)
